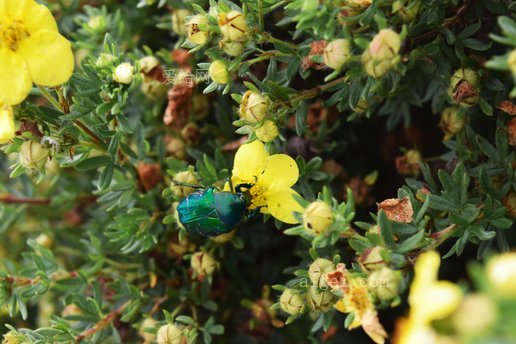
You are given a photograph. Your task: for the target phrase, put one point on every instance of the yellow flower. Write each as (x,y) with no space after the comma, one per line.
(501,273)
(271,177)
(358,300)
(31,50)
(7,129)
(429,300)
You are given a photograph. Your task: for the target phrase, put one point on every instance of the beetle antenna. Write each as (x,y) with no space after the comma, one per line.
(187,185)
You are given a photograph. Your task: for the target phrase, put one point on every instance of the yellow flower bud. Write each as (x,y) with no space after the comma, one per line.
(224,238)
(148,63)
(511,62)
(358,4)
(451,122)
(372,259)
(148,337)
(501,273)
(337,53)
(233,26)
(45,240)
(385,283)
(318,217)
(14,338)
(124,73)
(203,264)
(317,272)
(406,9)
(463,87)
(197,33)
(253,107)
(291,302)
(105,60)
(267,132)
(7,126)
(179,22)
(320,300)
(219,72)
(362,106)
(177,147)
(33,155)
(382,53)
(475,315)
(170,334)
(97,23)
(186,177)
(232,48)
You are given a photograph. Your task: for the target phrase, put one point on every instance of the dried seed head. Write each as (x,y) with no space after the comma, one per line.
(463,87)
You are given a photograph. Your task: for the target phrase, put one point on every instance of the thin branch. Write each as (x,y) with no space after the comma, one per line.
(9,199)
(103,323)
(313,92)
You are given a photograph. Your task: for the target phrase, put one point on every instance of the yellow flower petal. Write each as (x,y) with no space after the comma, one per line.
(279,169)
(249,161)
(372,326)
(440,300)
(7,128)
(426,270)
(281,203)
(49,58)
(34,17)
(15,83)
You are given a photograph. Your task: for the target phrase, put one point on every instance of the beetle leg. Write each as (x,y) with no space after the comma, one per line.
(239,187)
(188,185)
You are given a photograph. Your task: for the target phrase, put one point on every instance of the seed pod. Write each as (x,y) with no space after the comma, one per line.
(203,264)
(232,48)
(33,155)
(319,300)
(382,53)
(291,302)
(7,125)
(197,33)
(463,87)
(124,73)
(317,272)
(337,53)
(267,132)
(179,22)
(318,217)
(219,72)
(170,334)
(233,26)
(253,107)
(385,283)
(501,274)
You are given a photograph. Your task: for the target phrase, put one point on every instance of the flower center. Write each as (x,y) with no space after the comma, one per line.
(258,199)
(13,34)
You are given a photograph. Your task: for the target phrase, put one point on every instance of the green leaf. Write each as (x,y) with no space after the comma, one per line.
(386,229)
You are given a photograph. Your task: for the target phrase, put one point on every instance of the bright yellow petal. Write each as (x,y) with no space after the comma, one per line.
(439,301)
(281,203)
(426,270)
(7,128)
(15,83)
(280,169)
(49,58)
(33,16)
(249,161)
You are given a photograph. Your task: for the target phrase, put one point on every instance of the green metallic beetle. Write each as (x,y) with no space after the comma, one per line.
(210,212)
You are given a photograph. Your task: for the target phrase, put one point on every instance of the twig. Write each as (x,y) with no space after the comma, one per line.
(22,200)
(103,323)
(308,94)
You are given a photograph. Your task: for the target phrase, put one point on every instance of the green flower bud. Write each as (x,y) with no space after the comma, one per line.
(97,23)
(463,87)
(318,217)
(382,53)
(291,302)
(105,60)
(318,270)
(319,300)
(170,334)
(385,283)
(14,338)
(406,9)
(337,53)
(511,62)
(196,34)
(452,122)
(124,73)
(186,177)
(203,264)
(179,22)
(33,156)
(232,48)
(371,259)
(219,72)
(267,132)
(233,26)
(253,107)
(475,316)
